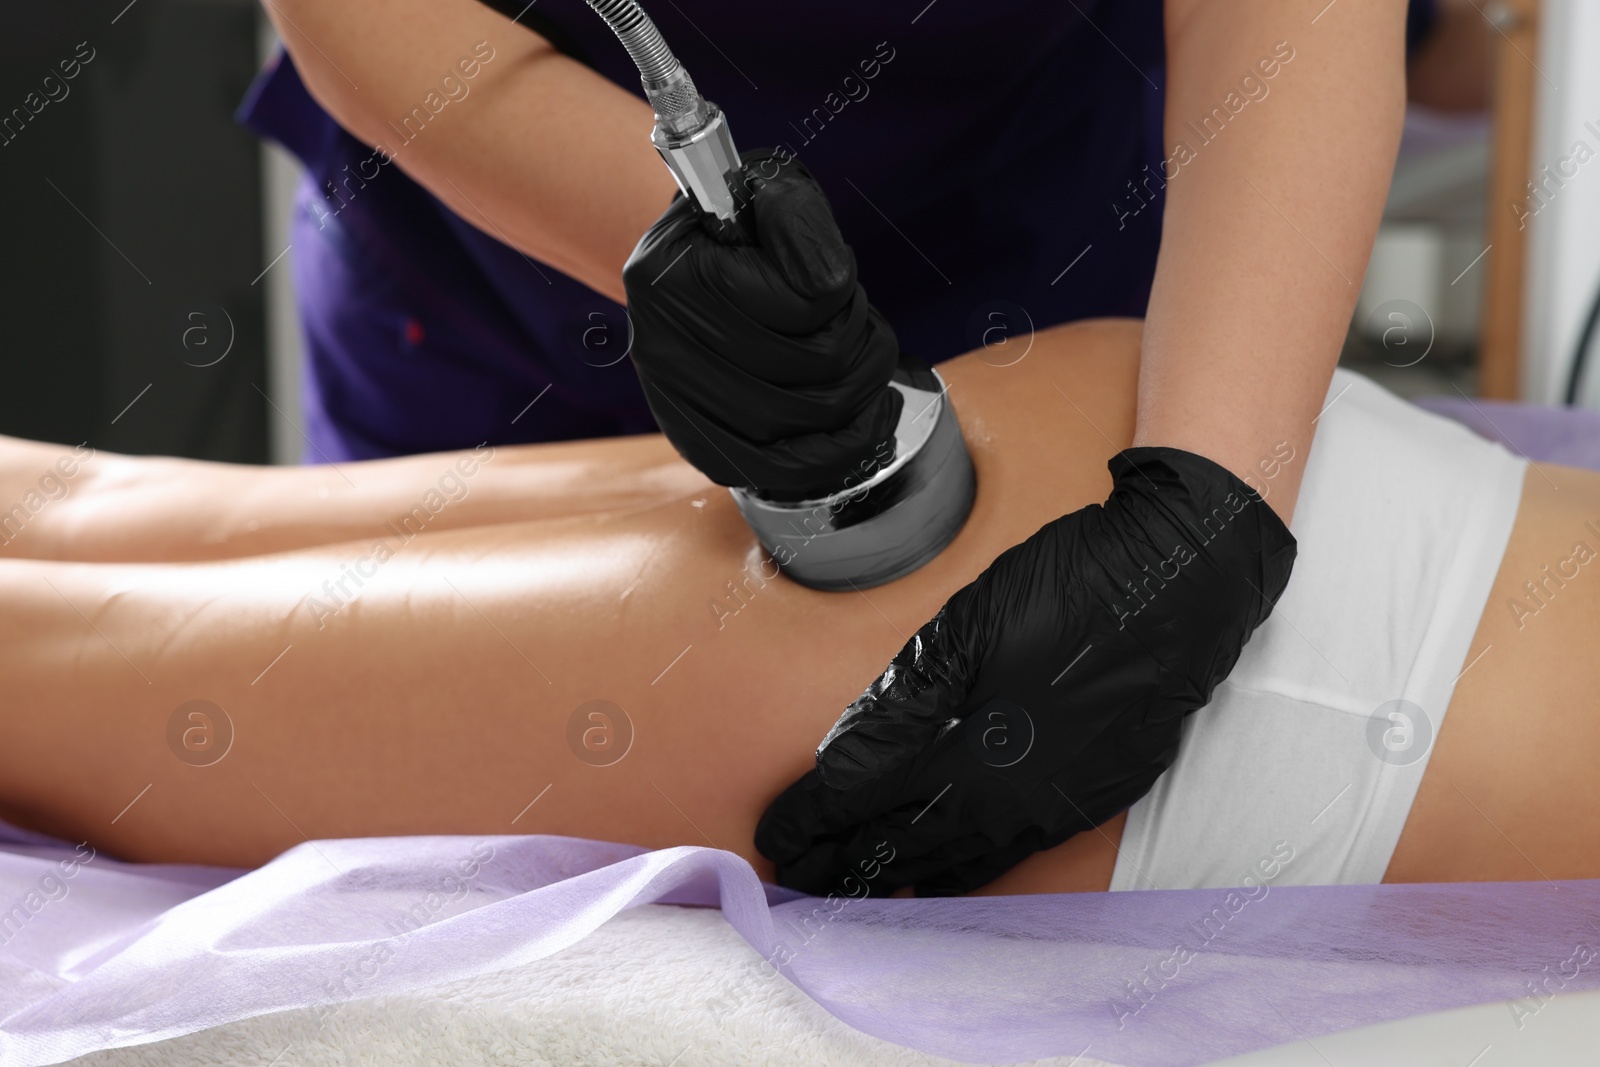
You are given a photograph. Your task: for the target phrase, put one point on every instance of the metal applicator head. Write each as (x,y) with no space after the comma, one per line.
(885,526)
(899,514)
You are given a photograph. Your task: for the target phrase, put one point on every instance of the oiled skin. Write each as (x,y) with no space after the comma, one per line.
(439,699)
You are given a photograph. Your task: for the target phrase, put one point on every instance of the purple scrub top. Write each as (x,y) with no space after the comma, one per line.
(996,166)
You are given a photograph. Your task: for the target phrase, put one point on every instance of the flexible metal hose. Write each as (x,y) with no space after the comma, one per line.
(639,36)
(678,104)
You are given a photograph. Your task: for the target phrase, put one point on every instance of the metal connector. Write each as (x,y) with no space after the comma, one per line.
(705,163)
(691,132)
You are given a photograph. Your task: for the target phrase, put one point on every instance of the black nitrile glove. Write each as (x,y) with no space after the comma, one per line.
(1070,663)
(763,364)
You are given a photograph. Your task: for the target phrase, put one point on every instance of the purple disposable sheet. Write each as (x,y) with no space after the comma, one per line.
(1569,436)
(123,954)
(116,954)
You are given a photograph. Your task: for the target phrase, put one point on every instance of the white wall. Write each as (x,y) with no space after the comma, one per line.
(1564,236)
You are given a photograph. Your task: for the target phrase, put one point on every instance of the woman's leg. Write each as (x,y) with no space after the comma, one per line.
(36,480)
(449,691)
(57,502)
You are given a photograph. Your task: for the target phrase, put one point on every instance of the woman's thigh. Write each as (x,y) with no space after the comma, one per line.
(1513,783)
(57,502)
(453,688)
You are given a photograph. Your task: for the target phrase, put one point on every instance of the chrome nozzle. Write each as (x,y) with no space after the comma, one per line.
(691,132)
(705,163)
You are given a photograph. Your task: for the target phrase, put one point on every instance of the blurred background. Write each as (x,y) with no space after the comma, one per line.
(145,281)
(140,223)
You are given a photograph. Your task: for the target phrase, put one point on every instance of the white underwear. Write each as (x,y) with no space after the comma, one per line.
(1303,767)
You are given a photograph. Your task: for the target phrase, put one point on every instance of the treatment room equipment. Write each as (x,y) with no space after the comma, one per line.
(528,949)
(906,510)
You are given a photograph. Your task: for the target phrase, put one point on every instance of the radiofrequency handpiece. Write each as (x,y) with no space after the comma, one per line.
(691,132)
(905,510)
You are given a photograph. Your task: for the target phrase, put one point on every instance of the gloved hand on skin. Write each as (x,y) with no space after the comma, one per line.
(1045,696)
(764,364)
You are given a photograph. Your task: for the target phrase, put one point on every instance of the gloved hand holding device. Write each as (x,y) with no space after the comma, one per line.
(1047,694)
(763,363)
